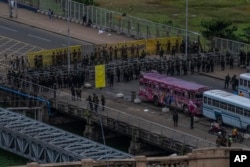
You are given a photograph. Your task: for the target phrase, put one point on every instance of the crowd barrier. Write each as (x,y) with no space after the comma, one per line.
(59,56)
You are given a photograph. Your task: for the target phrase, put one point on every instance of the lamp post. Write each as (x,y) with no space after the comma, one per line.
(186,43)
(68,34)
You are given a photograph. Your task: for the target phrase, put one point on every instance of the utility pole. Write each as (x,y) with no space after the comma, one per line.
(68,34)
(186,43)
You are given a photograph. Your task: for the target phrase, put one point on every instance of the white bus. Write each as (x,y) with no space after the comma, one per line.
(227,108)
(244,84)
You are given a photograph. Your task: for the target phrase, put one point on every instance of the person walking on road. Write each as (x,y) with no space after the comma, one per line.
(175,118)
(227,80)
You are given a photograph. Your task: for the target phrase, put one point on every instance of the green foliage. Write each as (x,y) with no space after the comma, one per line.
(246,34)
(218,28)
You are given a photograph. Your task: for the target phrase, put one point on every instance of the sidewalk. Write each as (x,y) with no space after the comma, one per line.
(88,34)
(219,74)
(61,26)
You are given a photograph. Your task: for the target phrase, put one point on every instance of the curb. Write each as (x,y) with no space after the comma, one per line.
(211,76)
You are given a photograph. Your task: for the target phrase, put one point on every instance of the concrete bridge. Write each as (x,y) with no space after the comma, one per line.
(126,122)
(216,157)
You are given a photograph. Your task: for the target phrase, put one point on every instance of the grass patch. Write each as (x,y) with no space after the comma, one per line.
(165,11)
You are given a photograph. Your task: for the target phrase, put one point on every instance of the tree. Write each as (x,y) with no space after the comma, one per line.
(246,34)
(218,28)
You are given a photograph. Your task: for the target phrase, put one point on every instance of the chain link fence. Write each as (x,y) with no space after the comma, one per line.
(234,47)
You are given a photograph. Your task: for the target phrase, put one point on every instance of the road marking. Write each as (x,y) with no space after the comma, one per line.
(9,29)
(37,37)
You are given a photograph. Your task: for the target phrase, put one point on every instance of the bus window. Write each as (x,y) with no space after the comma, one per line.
(216,103)
(245,83)
(223,105)
(209,101)
(162,89)
(231,108)
(239,110)
(191,95)
(241,81)
(198,95)
(205,100)
(249,84)
(247,113)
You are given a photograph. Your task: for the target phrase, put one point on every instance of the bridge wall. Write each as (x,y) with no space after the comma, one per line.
(217,157)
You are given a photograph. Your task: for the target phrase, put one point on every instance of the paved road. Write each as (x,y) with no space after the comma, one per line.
(35,36)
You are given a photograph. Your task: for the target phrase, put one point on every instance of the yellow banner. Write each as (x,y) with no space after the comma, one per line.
(57,56)
(100,81)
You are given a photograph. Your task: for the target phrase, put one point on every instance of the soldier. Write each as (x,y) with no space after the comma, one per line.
(96,102)
(198,65)
(116,52)
(234,82)
(168,47)
(73,92)
(192,67)
(161,53)
(132,51)
(158,47)
(227,80)
(222,63)
(118,74)
(111,50)
(78,93)
(175,118)
(103,101)
(90,101)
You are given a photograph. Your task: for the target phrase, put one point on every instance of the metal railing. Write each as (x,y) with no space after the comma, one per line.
(229,45)
(65,99)
(113,21)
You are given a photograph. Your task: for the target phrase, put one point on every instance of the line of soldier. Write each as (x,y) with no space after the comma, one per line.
(93,102)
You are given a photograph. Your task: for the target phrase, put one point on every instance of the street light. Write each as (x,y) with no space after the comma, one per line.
(68,21)
(186,43)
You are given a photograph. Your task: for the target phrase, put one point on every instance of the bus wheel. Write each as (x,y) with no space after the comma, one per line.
(185,109)
(156,100)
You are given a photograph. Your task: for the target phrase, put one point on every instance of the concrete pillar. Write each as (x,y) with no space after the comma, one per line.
(90,132)
(141,161)
(87,162)
(33,164)
(134,146)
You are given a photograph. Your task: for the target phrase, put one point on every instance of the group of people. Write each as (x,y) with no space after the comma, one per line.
(176,119)
(227,141)
(233,81)
(93,102)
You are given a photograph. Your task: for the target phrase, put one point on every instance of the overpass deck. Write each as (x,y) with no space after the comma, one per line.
(43,143)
